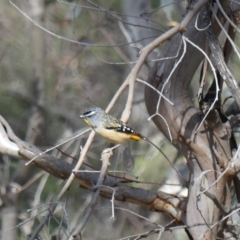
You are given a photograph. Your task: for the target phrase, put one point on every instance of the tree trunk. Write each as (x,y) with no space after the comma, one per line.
(207,149)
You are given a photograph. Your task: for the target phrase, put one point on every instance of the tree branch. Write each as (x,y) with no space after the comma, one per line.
(153,201)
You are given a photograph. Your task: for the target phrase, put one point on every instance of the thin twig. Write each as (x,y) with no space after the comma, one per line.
(215,77)
(156,90)
(214,199)
(106,154)
(66,186)
(65,38)
(163,87)
(56,146)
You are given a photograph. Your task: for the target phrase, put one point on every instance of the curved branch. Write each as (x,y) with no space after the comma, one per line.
(208,150)
(153,201)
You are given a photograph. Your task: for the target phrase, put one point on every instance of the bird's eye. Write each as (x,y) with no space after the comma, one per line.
(89,113)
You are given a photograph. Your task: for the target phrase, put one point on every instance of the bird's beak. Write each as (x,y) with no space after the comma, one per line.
(86,121)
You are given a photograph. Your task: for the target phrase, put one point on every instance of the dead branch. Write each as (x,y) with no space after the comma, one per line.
(62,170)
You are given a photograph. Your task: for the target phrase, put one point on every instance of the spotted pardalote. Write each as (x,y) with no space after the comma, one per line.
(108,126)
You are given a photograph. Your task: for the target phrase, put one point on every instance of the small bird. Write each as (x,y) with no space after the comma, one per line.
(114,130)
(108,126)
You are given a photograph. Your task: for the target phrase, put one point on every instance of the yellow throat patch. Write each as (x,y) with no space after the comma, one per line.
(87,122)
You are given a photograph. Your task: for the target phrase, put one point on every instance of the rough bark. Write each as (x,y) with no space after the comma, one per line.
(207,149)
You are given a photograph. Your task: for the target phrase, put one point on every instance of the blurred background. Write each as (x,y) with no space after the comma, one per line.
(57,59)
